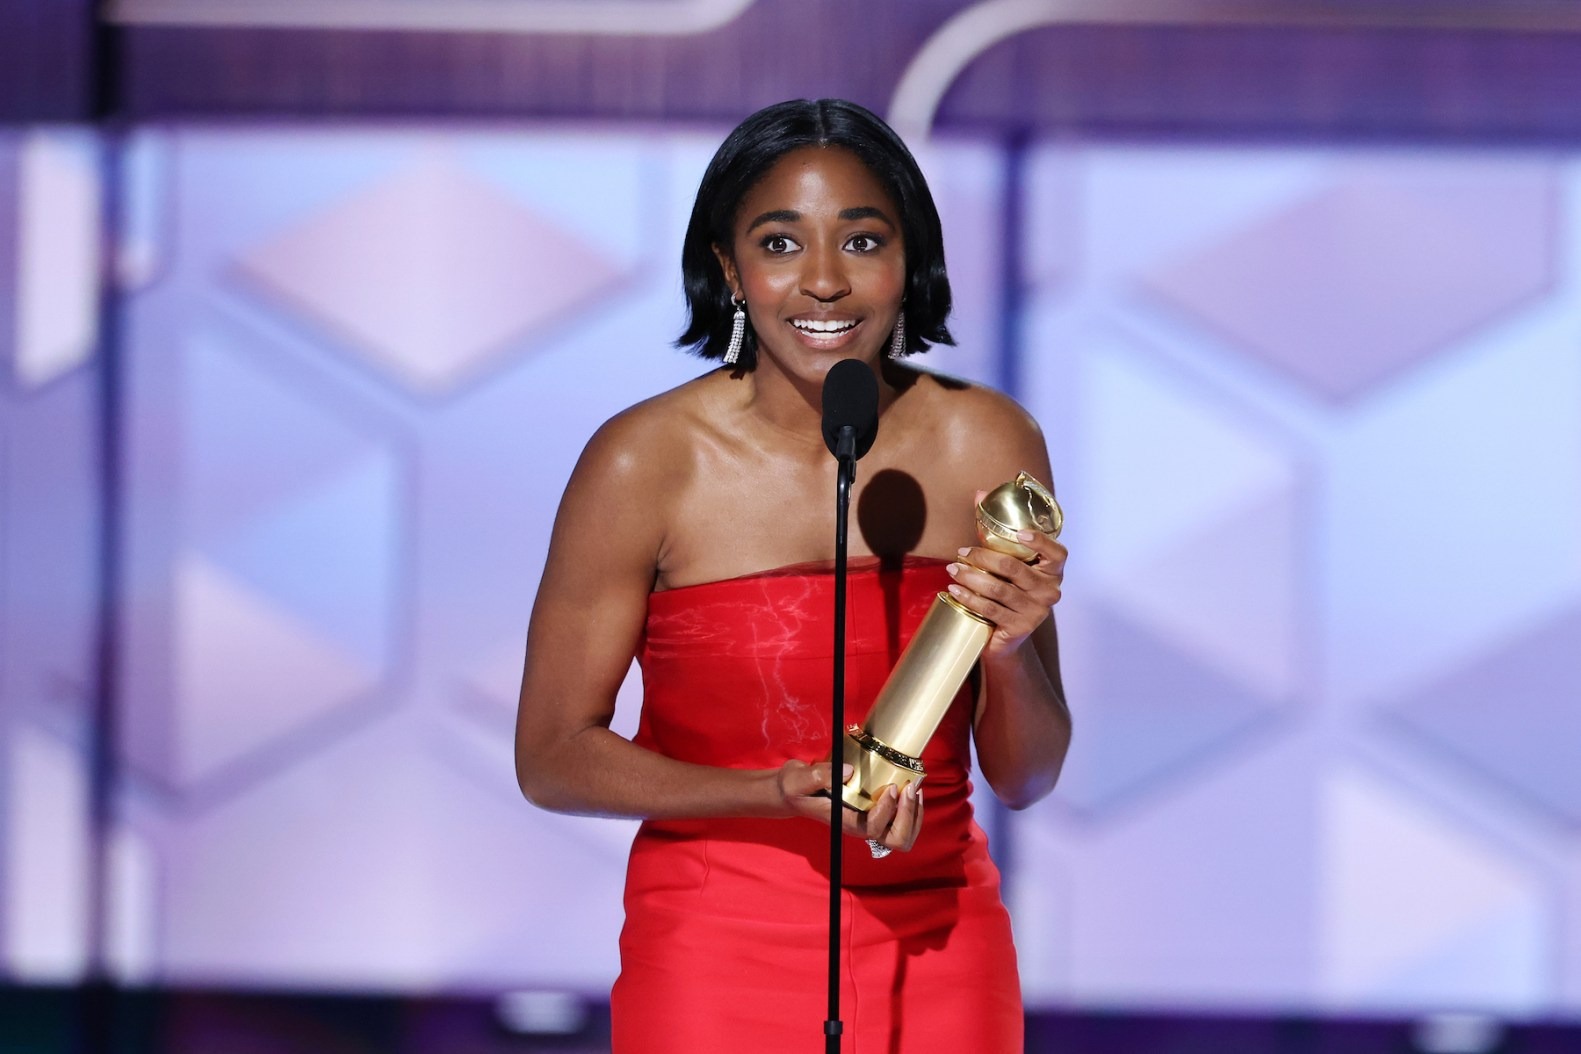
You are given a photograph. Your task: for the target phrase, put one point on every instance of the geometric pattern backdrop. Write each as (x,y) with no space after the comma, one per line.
(1315,414)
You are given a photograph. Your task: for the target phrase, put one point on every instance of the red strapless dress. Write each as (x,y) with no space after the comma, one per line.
(724,947)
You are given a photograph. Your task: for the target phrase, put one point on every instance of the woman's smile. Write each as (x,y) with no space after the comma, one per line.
(826,334)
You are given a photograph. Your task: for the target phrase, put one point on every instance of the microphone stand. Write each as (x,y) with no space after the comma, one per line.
(845,456)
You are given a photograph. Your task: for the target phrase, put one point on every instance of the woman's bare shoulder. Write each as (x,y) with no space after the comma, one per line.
(648,441)
(971,418)
(634,470)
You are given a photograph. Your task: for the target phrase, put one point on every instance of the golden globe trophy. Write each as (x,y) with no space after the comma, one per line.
(908,709)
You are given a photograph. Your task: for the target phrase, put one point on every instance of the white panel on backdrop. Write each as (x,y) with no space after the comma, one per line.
(46,878)
(627,18)
(1413,910)
(57,294)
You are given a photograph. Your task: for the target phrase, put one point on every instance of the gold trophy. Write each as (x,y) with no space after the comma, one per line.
(934,665)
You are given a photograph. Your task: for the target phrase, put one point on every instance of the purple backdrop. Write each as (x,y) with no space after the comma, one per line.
(1313,413)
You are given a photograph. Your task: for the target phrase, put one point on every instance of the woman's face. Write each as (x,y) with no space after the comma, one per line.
(819,259)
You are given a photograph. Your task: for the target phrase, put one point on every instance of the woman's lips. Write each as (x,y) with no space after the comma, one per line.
(824,333)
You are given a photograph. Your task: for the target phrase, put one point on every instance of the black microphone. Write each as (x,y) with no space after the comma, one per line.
(850,409)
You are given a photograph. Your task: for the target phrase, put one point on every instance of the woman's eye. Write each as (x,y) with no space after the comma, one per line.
(778,243)
(863,243)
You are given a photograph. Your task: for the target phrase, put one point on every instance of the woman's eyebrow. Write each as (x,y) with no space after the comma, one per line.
(774,216)
(866,212)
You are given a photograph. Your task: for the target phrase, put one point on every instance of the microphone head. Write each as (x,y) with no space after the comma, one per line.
(850,397)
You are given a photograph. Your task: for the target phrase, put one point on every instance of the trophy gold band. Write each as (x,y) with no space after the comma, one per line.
(888,749)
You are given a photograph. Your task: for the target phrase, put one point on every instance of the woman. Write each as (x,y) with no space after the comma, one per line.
(696,534)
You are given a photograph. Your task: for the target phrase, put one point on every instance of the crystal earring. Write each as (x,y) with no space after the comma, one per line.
(897,341)
(738,330)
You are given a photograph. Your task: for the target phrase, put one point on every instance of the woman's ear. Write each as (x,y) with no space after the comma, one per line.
(727,264)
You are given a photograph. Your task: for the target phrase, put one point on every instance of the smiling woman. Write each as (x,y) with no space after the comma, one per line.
(901,202)
(825,274)
(813,239)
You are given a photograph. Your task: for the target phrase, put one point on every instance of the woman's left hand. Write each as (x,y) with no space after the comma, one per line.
(895,819)
(1016,597)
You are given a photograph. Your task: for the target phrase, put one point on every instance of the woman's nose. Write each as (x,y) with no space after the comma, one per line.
(824,277)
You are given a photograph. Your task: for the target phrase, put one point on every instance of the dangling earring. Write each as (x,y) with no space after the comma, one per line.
(897,341)
(738,330)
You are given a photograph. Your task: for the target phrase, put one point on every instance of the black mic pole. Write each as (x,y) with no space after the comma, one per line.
(850,423)
(845,455)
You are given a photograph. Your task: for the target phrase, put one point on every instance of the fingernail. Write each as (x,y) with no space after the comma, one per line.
(1025,536)
(846,772)
(956,590)
(911,791)
(963,552)
(953,569)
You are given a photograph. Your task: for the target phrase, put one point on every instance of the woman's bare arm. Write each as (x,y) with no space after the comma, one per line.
(586,622)
(1023,726)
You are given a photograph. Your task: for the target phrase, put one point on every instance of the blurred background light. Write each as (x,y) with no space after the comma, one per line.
(1458,1034)
(542,1013)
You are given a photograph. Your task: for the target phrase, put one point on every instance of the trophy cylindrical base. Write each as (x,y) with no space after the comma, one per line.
(931,670)
(912,702)
(874,766)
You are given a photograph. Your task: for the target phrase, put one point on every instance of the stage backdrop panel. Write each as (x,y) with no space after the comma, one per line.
(50,514)
(1317,421)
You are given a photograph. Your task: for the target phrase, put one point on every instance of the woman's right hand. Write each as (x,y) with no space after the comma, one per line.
(894,820)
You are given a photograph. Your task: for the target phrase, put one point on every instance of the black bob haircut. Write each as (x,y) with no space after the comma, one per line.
(746,156)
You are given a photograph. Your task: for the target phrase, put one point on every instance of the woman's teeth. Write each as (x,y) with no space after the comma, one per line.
(811,326)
